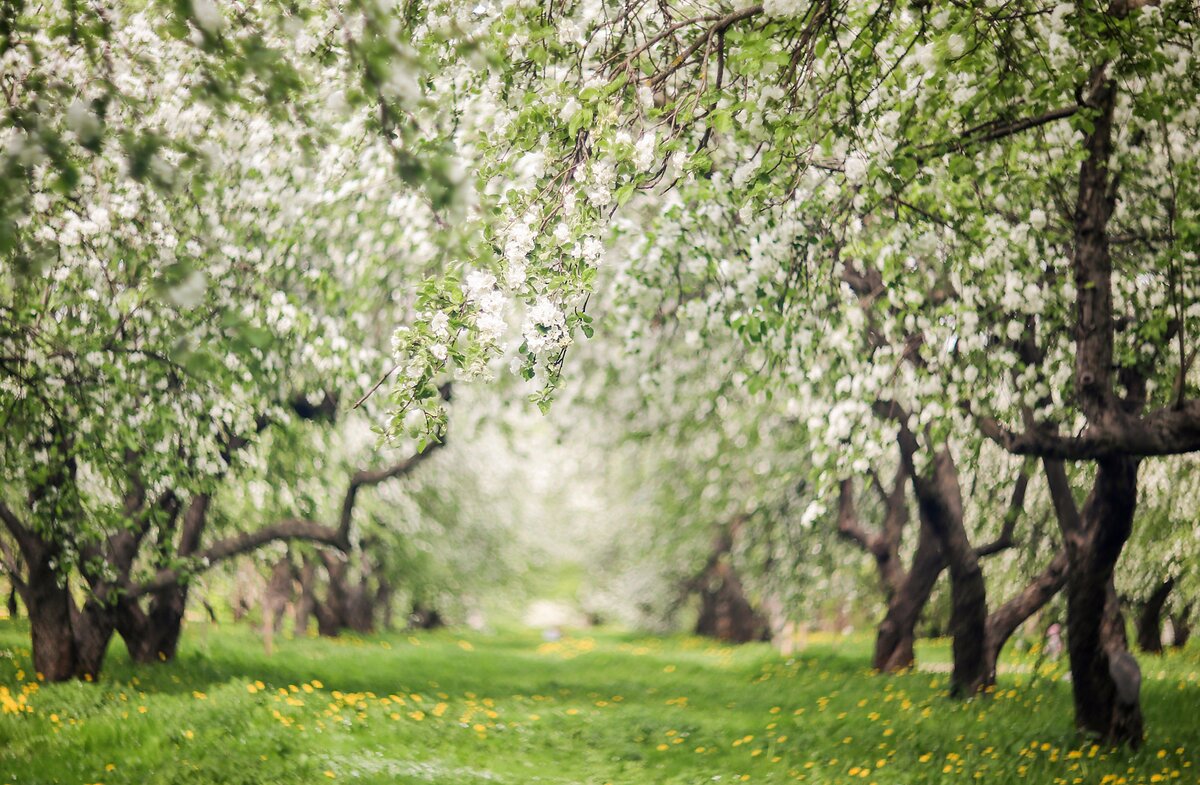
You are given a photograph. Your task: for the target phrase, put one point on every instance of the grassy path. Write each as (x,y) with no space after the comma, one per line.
(457,709)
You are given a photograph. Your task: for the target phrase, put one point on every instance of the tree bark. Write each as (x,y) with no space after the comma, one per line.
(68,642)
(1106,679)
(1149,623)
(896,633)
(939,500)
(48,603)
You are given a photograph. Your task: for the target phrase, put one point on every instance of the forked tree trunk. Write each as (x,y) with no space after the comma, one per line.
(1149,623)
(907,591)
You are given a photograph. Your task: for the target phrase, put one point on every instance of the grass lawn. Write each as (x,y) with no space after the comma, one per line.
(596,708)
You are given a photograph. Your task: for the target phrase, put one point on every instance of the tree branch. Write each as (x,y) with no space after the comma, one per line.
(1065,507)
(1171,430)
(996,129)
(12,567)
(367,477)
(1002,622)
(1016,506)
(236,545)
(848,523)
(194,521)
(720,25)
(18,530)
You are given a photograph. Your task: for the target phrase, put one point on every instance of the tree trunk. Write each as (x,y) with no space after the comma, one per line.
(1106,679)
(1005,620)
(425,618)
(385,601)
(939,499)
(68,642)
(93,630)
(275,599)
(153,635)
(360,608)
(306,601)
(347,605)
(329,624)
(725,613)
(166,623)
(896,634)
(332,614)
(1182,623)
(1149,624)
(49,608)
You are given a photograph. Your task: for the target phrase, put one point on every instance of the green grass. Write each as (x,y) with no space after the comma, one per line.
(597,708)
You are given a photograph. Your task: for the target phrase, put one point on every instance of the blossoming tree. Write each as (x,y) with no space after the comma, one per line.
(1016,180)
